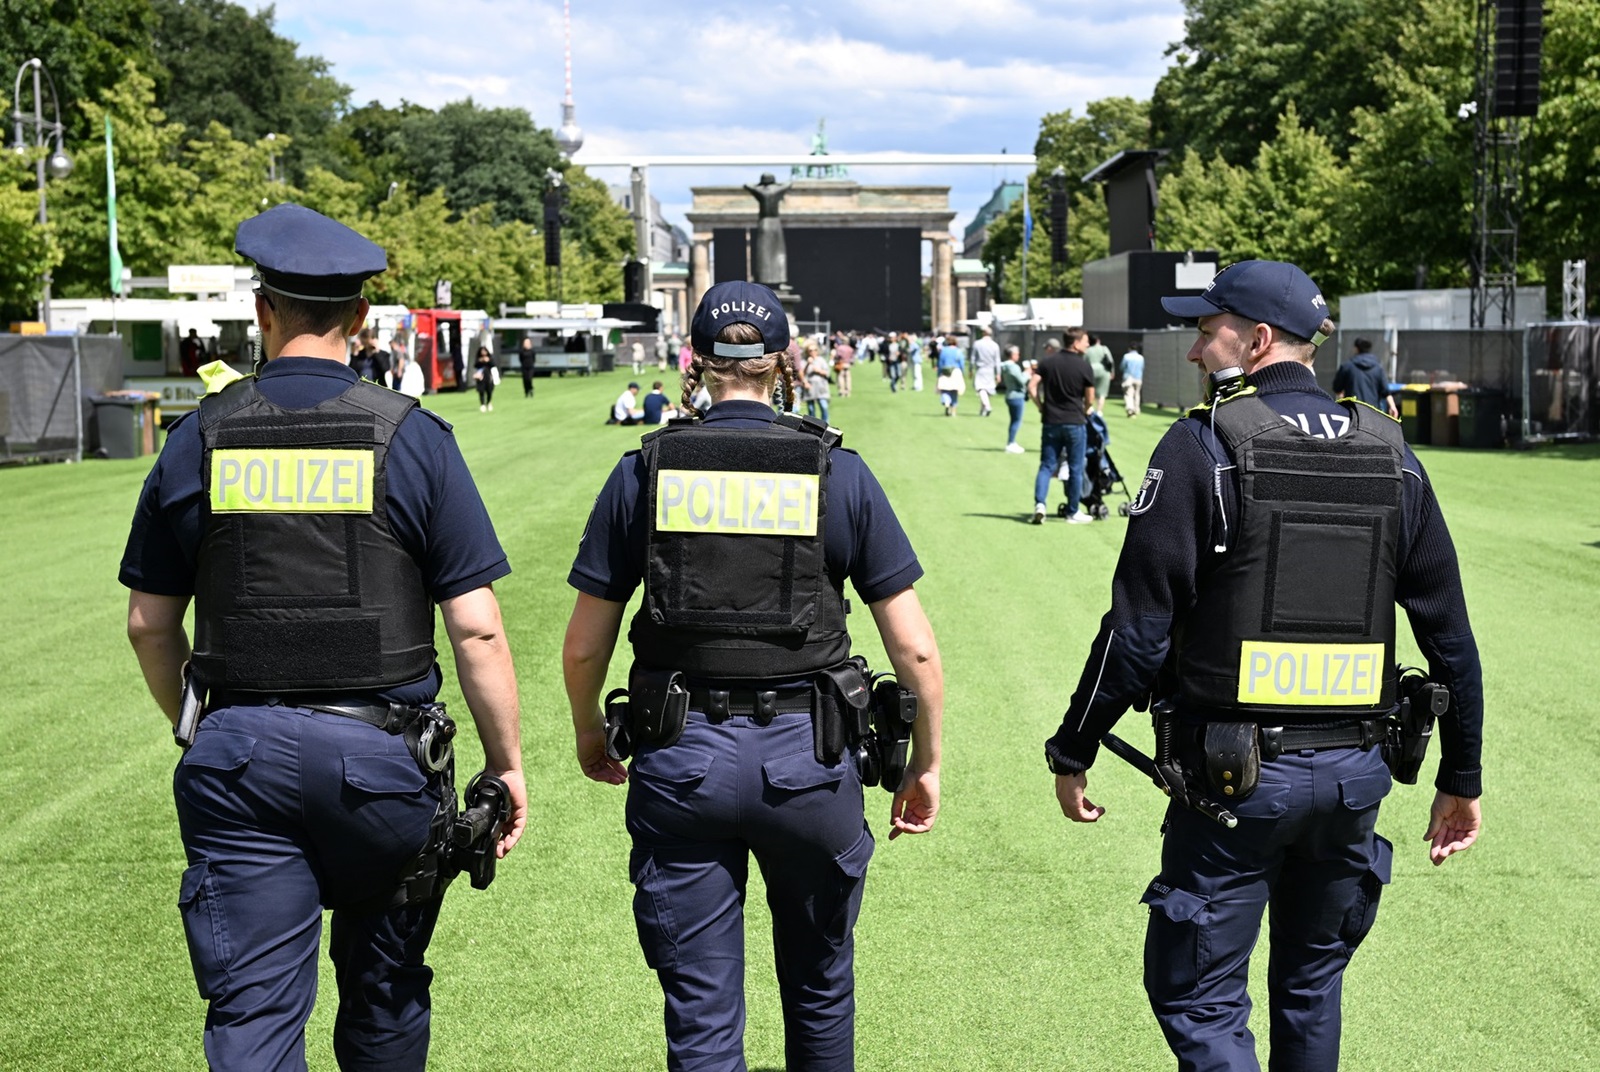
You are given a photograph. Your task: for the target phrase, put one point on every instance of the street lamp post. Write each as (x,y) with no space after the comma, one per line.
(57,162)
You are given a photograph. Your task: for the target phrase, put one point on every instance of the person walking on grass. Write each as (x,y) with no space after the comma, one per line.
(741,636)
(315,520)
(1062,386)
(1256,595)
(985,368)
(1014,386)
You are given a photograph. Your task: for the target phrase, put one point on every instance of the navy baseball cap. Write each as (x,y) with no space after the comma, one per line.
(738,302)
(304,254)
(1267,292)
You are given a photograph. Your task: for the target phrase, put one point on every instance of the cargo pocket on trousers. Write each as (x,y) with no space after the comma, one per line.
(799,771)
(384,775)
(205,926)
(652,914)
(1364,791)
(1364,909)
(1176,947)
(212,764)
(675,771)
(853,861)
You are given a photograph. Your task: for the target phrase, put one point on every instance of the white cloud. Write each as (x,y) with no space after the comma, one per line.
(718,76)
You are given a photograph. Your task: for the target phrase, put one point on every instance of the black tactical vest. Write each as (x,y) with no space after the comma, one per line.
(1297,623)
(736,585)
(301,585)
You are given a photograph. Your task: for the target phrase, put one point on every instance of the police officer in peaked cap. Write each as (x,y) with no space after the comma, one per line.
(1254,599)
(315,520)
(744,707)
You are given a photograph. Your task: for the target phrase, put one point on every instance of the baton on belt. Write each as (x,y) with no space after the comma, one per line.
(1147,766)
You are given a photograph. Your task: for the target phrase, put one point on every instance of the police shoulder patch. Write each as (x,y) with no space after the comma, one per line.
(1147,492)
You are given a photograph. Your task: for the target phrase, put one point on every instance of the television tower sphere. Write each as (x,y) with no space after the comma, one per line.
(569,139)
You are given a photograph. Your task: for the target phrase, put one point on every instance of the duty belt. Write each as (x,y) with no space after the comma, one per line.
(1276,740)
(760,704)
(425,728)
(391,717)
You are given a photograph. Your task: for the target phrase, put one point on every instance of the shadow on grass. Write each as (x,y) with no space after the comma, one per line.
(1021,519)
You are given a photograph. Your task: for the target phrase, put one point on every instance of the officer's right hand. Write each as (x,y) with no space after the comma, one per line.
(593,759)
(516,813)
(1074,805)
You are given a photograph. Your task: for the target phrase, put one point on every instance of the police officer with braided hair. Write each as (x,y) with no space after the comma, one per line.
(1254,603)
(315,520)
(743,698)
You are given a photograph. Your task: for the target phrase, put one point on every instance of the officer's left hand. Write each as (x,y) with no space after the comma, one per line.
(594,761)
(1452,827)
(916,804)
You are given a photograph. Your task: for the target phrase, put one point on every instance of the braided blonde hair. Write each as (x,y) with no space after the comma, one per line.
(758,372)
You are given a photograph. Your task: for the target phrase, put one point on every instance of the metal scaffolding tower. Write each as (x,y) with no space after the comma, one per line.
(1496,188)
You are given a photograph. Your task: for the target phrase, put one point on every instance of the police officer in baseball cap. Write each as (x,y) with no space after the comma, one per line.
(315,520)
(743,527)
(1254,600)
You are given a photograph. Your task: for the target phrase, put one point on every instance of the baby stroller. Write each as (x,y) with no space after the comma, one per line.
(1100,475)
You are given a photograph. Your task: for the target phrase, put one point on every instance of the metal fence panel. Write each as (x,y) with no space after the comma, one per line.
(45,381)
(1562,378)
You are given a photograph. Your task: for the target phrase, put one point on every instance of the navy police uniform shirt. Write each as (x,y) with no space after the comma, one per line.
(862,538)
(1182,523)
(434,506)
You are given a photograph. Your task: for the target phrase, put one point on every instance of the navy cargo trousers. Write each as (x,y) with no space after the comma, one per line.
(697,810)
(285,812)
(1305,850)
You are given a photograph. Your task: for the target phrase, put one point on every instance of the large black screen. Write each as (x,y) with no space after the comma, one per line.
(860,277)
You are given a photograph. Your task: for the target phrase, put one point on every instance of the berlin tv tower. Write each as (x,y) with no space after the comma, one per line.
(569,139)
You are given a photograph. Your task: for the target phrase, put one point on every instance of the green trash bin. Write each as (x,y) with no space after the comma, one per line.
(1482,418)
(1416,414)
(126,424)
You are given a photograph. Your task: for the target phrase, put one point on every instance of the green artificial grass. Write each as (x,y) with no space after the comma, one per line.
(1006,939)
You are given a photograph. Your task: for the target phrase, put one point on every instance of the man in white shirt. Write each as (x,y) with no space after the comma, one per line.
(624,411)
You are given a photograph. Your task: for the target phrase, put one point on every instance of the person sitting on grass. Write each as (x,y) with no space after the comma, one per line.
(623,411)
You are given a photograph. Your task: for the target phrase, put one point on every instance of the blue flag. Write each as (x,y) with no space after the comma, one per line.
(1027,221)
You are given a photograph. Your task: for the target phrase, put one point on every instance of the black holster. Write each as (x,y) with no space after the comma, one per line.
(658,707)
(1231,758)
(1405,745)
(619,735)
(894,712)
(841,712)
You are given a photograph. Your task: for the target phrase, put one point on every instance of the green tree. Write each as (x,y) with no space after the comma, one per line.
(26,249)
(1241,62)
(232,183)
(84,45)
(1412,160)
(1562,220)
(1287,205)
(1077,145)
(154,190)
(478,156)
(228,65)
(367,148)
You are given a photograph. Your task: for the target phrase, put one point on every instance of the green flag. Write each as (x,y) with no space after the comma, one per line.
(111,214)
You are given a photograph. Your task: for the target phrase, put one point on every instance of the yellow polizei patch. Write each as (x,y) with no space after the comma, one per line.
(291,481)
(1310,675)
(736,503)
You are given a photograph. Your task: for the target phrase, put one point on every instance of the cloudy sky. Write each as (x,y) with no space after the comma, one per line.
(712,76)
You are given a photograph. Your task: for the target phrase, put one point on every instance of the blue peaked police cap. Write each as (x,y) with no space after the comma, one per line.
(738,302)
(1266,292)
(304,254)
